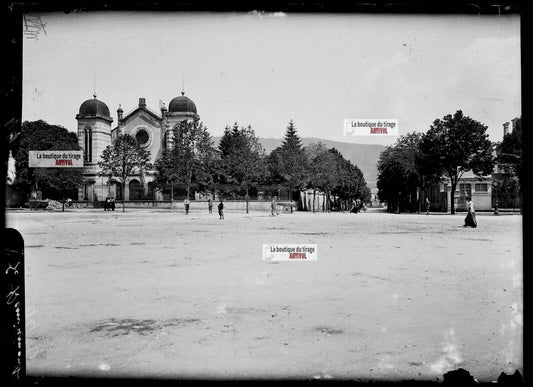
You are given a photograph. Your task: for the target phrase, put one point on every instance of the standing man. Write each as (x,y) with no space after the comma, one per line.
(187,203)
(210,205)
(221,209)
(427,206)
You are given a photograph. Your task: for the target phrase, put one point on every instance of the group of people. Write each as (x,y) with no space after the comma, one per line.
(357,206)
(109,204)
(220,207)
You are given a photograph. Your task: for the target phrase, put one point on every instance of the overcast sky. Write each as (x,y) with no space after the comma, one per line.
(263,70)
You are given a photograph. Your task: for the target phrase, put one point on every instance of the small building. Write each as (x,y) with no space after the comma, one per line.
(478,188)
(374,199)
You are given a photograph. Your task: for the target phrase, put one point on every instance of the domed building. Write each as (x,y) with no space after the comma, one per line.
(182,105)
(153,130)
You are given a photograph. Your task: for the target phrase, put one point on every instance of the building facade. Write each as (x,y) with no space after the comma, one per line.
(152,130)
(471,185)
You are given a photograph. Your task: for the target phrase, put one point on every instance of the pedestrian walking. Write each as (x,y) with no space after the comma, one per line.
(353,210)
(428,204)
(358,204)
(187,204)
(221,209)
(470,220)
(210,205)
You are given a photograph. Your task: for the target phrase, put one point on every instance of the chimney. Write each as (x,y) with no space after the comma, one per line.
(142,102)
(505,129)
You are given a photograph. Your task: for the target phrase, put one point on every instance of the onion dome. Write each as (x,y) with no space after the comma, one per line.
(182,104)
(94,108)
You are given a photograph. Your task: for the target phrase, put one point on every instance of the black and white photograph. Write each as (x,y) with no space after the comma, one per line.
(270,195)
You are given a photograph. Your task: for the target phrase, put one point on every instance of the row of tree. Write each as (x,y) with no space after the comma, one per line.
(239,160)
(452,146)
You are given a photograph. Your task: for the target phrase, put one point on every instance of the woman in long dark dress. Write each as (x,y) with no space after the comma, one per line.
(470,220)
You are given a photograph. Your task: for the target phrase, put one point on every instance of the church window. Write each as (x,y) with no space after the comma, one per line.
(142,137)
(88,144)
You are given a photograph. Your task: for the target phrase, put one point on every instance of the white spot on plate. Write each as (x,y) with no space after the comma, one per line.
(450,357)
(104,367)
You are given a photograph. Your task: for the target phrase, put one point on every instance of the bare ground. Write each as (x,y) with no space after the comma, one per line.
(154,293)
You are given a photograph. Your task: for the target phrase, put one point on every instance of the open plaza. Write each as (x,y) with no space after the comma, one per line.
(159,294)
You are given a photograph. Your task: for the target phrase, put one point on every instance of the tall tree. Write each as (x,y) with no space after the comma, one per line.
(456,144)
(242,158)
(350,183)
(321,166)
(391,181)
(166,176)
(229,139)
(55,183)
(417,167)
(124,158)
(288,163)
(331,173)
(191,158)
(509,151)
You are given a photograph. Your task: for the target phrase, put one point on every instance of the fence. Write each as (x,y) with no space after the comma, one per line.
(507,200)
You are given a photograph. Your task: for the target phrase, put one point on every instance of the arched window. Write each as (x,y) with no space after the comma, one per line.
(151,191)
(88,144)
(118,191)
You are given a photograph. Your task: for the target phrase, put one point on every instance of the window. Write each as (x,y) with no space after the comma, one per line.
(482,187)
(465,189)
(142,137)
(88,144)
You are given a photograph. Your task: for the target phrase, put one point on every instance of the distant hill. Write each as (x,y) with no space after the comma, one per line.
(364,156)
